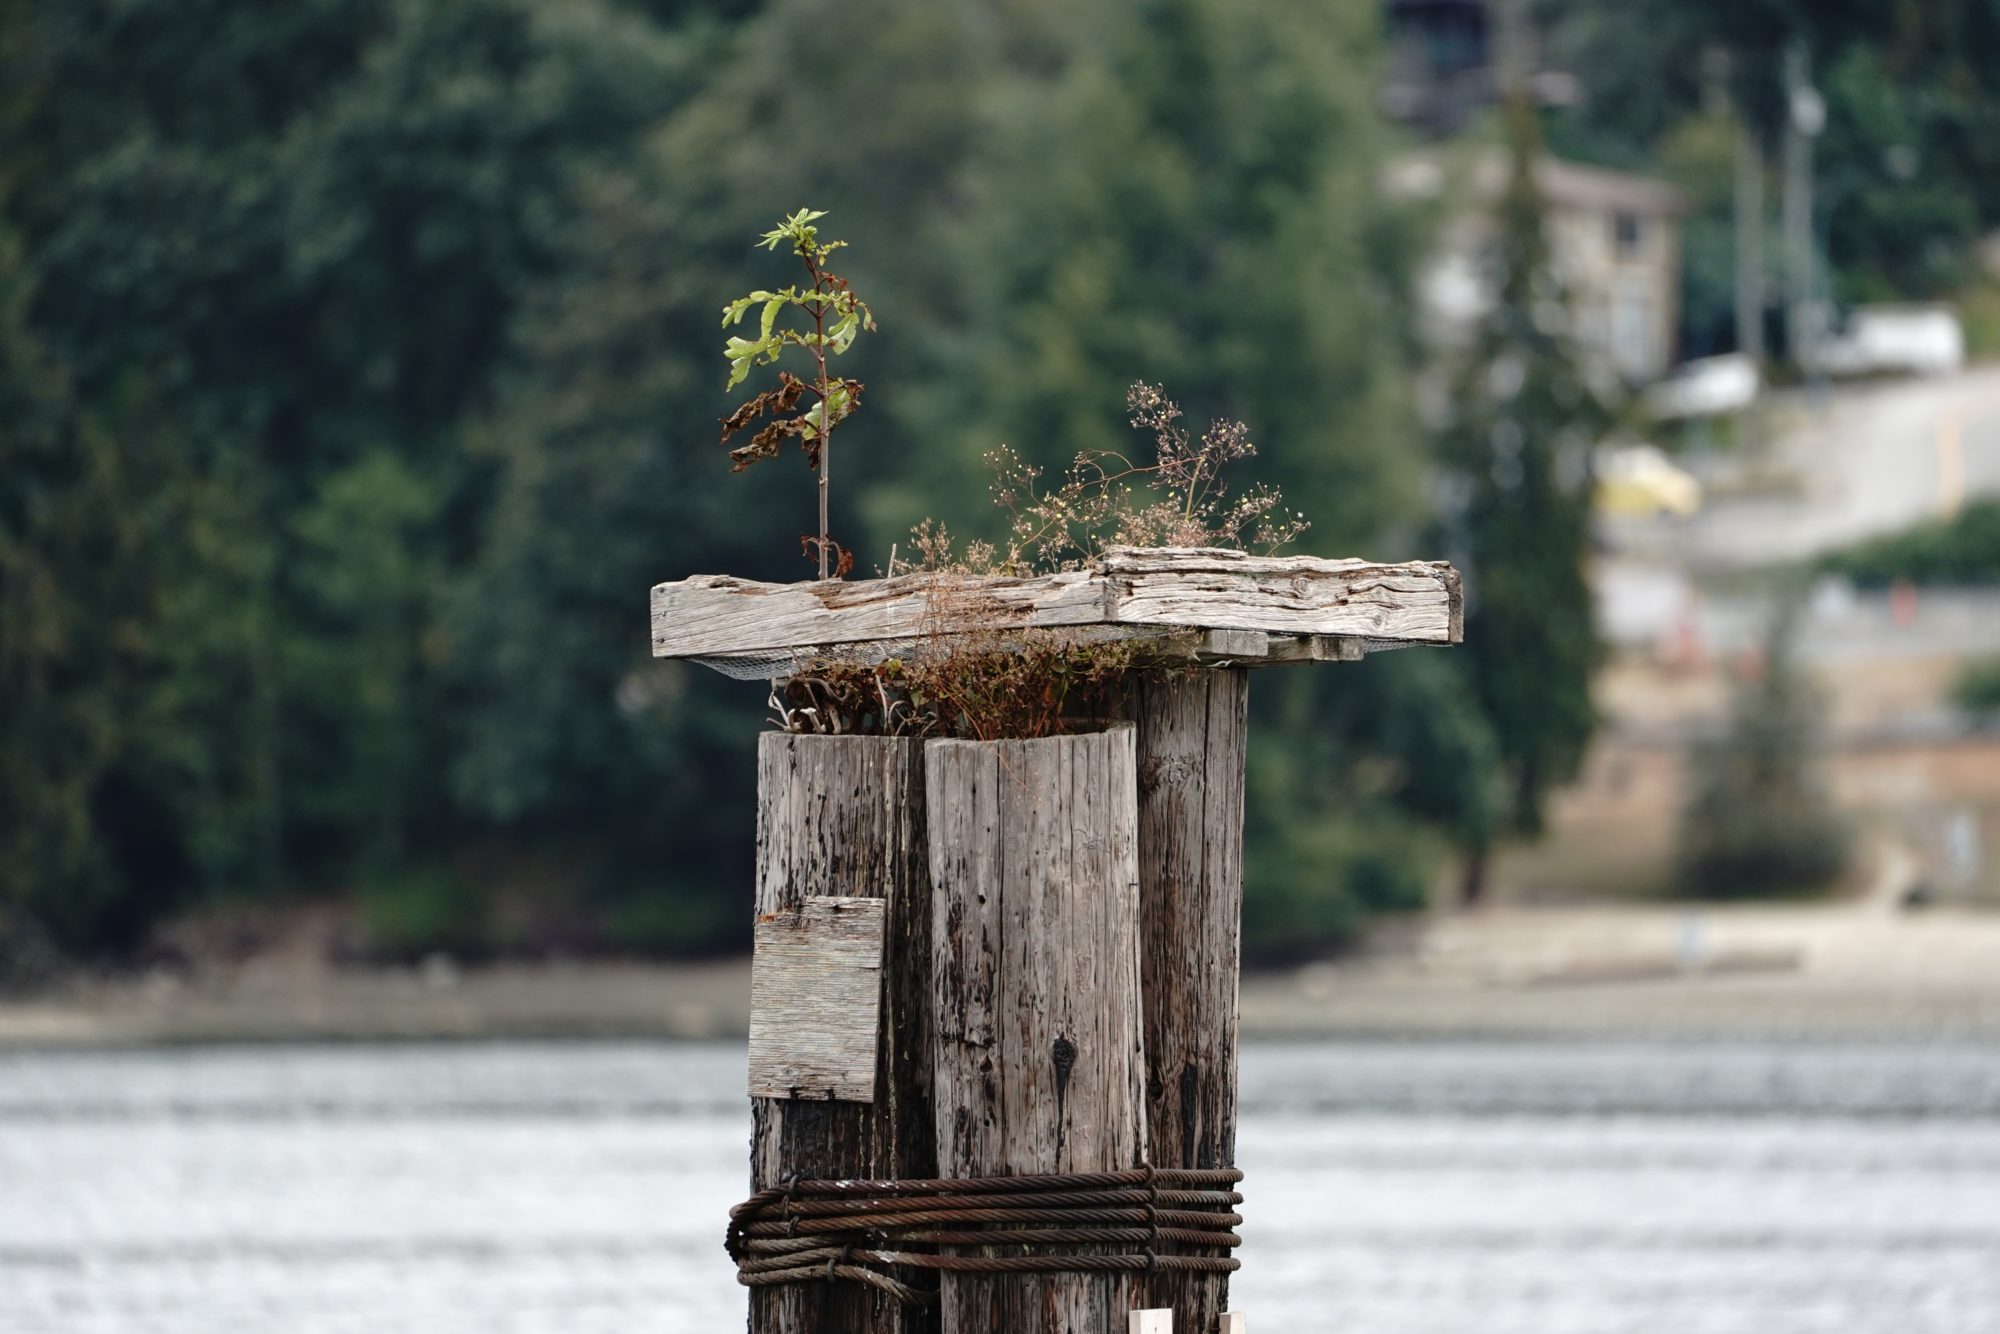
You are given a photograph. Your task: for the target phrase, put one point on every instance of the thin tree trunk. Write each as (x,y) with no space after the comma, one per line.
(1472,881)
(845,816)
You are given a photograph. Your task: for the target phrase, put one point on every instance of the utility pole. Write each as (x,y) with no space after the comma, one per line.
(1513,53)
(1749,238)
(1805,117)
(1750,294)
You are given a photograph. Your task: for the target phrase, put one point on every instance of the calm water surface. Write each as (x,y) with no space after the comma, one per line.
(1427,1188)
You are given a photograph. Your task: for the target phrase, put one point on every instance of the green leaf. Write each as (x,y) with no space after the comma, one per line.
(841,335)
(734,311)
(771,309)
(743,354)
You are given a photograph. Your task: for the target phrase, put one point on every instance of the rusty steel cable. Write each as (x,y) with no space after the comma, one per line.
(825,1231)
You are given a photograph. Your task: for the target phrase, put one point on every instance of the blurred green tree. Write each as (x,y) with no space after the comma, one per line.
(69,539)
(1524,420)
(1209,174)
(362,352)
(1758,820)
(275,257)
(604,473)
(1976,688)
(1202,184)
(363,662)
(1963,548)
(1353,795)
(80,523)
(1190,197)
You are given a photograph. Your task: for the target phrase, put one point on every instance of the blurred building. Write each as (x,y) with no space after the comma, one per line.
(1440,62)
(1614,240)
(1448,60)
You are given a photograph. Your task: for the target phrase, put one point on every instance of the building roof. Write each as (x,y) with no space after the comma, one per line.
(1483,171)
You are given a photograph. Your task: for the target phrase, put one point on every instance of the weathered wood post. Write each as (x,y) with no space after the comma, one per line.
(1003,1104)
(840,818)
(1036,1046)
(1193,728)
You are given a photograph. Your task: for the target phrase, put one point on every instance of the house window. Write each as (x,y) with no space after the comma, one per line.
(1628,234)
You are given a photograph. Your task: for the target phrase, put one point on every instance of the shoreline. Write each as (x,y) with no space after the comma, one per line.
(1826,972)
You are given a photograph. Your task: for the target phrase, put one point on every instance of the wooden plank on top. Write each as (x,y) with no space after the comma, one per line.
(1127,590)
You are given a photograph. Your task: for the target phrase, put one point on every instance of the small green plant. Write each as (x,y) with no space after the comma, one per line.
(837,316)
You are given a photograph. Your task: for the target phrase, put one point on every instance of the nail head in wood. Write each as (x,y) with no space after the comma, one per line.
(1150,1322)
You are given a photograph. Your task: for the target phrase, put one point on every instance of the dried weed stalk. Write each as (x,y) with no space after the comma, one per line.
(1107,499)
(962,680)
(1039,684)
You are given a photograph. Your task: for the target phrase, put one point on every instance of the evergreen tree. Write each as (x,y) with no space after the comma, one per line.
(274,259)
(1758,819)
(1517,454)
(80,516)
(65,542)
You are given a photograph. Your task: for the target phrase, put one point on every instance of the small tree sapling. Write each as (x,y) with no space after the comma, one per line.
(837,316)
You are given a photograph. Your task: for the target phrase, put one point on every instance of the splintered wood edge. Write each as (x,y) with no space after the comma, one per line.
(1194,605)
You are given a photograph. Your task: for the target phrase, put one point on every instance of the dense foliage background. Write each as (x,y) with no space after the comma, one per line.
(359,370)
(359,363)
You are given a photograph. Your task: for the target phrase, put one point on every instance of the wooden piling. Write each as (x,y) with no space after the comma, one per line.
(844,816)
(1038,1052)
(1087,895)
(1192,730)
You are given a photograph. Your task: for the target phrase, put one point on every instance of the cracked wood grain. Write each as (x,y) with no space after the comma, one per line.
(843,818)
(1192,730)
(1038,1054)
(1129,592)
(815,999)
